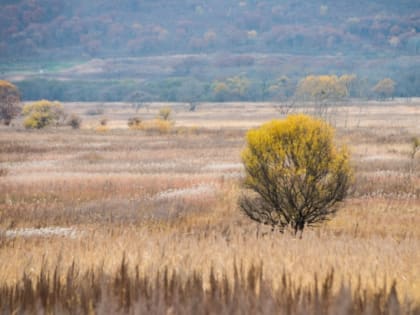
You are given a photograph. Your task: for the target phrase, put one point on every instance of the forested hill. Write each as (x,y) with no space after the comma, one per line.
(109,28)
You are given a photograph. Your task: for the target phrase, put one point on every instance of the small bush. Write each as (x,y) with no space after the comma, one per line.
(103,121)
(415,146)
(74,121)
(102,128)
(165,113)
(134,123)
(3,172)
(42,114)
(192,106)
(156,126)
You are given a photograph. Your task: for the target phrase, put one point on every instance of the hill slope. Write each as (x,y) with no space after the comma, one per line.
(138,27)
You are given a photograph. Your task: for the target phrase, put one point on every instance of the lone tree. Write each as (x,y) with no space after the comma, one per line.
(323,90)
(295,175)
(384,88)
(9,102)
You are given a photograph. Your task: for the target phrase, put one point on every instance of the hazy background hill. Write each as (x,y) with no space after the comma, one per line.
(204,41)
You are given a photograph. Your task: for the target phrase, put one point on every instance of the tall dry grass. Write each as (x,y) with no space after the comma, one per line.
(168,202)
(167,292)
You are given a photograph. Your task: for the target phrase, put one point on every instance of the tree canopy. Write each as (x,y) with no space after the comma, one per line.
(9,102)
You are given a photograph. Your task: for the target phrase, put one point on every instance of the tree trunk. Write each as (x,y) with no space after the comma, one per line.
(299,226)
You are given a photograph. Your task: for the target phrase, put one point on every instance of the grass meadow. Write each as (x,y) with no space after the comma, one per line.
(112,220)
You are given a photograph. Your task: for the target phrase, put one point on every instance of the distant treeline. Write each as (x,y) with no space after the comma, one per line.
(188,89)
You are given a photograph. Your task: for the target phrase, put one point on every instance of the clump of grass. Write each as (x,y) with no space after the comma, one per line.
(3,172)
(156,126)
(415,146)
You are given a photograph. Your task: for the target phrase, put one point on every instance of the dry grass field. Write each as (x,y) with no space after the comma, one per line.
(167,203)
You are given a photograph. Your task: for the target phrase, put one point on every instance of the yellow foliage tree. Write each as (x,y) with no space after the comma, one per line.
(42,114)
(295,174)
(9,102)
(165,113)
(235,87)
(323,87)
(220,90)
(384,88)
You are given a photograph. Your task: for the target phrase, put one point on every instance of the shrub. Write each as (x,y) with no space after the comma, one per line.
(3,172)
(295,175)
(192,106)
(74,121)
(165,113)
(102,128)
(9,102)
(163,126)
(42,114)
(103,121)
(159,126)
(415,146)
(134,123)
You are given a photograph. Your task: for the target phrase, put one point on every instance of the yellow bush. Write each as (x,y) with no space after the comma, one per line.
(415,146)
(183,130)
(165,113)
(134,123)
(102,128)
(295,174)
(154,126)
(384,88)
(323,87)
(42,113)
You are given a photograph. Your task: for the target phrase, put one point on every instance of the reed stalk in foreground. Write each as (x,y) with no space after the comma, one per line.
(168,292)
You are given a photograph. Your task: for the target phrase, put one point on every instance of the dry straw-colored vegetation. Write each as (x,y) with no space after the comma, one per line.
(73,203)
